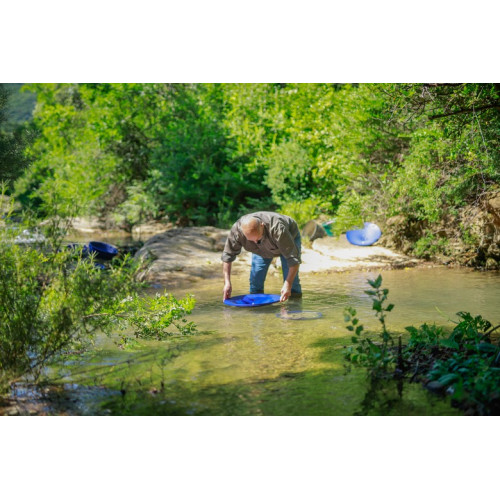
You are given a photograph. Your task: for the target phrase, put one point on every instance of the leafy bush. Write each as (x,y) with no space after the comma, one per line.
(429,245)
(473,380)
(424,336)
(151,317)
(301,211)
(52,300)
(464,363)
(288,173)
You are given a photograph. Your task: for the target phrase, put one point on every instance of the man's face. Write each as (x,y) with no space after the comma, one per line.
(255,236)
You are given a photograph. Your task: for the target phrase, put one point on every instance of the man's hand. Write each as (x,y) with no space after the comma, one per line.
(227,291)
(285,291)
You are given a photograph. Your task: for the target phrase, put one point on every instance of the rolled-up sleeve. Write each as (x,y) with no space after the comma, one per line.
(232,248)
(286,245)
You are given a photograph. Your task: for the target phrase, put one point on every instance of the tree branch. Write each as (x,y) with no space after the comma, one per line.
(468,110)
(443,84)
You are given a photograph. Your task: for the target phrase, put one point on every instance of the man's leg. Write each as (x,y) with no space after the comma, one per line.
(296,287)
(258,273)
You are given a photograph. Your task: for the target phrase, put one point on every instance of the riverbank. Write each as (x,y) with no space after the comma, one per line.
(183,255)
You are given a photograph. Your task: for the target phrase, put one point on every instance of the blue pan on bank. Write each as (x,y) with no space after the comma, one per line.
(364,237)
(252,300)
(103,250)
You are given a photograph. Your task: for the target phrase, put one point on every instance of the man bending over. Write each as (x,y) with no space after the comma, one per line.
(266,235)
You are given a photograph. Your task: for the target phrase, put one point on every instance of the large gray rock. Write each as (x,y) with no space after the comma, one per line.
(186,254)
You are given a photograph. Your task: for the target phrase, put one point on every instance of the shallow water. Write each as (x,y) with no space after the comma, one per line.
(250,361)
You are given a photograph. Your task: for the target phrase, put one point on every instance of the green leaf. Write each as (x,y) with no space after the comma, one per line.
(449,343)
(486,347)
(448,379)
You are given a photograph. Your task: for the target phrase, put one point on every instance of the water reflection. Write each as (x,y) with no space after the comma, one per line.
(253,362)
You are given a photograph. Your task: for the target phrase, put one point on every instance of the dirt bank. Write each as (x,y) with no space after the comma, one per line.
(189,254)
(468,237)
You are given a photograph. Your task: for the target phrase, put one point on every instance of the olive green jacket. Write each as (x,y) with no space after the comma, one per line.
(280,232)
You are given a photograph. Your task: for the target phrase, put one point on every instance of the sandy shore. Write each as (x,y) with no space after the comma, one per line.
(189,254)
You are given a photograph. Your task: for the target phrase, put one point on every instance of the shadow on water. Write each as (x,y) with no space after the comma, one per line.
(140,384)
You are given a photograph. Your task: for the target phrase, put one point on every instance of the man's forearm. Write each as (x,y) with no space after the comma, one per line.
(226,267)
(292,272)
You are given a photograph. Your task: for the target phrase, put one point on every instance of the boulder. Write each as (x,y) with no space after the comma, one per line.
(186,254)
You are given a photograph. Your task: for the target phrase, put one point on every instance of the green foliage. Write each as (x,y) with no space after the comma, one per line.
(471,329)
(453,155)
(49,302)
(301,211)
(424,336)
(288,173)
(53,301)
(129,151)
(14,139)
(472,380)
(208,153)
(139,206)
(429,245)
(151,317)
(19,108)
(350,212)
(375,356)
(471,371)
(464,363)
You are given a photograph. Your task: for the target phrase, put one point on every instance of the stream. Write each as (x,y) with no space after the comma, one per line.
(252,361)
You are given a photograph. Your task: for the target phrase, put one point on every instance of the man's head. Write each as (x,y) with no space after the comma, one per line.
(252,228)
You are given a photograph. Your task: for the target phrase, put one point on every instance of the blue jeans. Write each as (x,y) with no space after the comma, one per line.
(259,269)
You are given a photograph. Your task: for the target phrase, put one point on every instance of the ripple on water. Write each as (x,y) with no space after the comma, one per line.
(253,362)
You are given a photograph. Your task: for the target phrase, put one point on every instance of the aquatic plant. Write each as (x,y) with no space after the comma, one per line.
(375,356)
(463,363)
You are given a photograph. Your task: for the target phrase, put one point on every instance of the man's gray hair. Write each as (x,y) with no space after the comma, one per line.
(250,224)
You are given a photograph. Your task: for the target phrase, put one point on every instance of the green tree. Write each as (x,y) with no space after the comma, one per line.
(13,141)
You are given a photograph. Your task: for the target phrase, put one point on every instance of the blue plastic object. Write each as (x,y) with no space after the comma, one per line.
(252,300)
(103,250)
(366,236)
